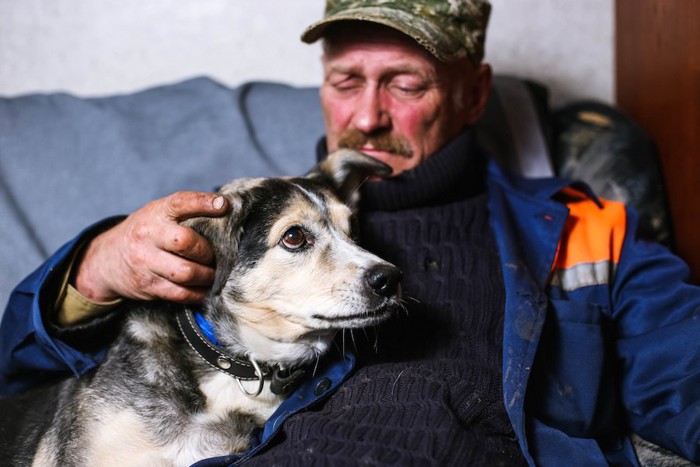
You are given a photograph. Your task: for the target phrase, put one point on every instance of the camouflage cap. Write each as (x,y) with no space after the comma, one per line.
(449,29)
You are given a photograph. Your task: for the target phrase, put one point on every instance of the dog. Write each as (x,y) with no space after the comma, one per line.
(178,384)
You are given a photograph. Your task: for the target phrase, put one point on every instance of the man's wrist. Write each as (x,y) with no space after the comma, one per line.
(72,306)
(85,278)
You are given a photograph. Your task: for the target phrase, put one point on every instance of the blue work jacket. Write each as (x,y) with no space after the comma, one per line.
(601,334)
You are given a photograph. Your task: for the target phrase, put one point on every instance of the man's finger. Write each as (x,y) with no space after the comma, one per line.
(183,272)
(186,204)
(171,292)
(186,243)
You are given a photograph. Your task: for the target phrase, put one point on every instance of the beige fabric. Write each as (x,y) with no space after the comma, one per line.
(72,306)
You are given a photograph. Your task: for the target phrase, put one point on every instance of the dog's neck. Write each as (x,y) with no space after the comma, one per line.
(201,338)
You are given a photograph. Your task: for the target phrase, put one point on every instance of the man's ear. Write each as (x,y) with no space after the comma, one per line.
(223,234)
(346,170)
(478,93)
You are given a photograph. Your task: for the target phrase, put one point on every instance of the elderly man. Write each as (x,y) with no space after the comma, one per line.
(540,329)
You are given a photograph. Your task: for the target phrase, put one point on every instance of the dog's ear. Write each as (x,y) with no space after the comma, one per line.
(346,170)
(223,233)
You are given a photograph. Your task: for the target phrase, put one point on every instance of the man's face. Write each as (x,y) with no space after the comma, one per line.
(386,96)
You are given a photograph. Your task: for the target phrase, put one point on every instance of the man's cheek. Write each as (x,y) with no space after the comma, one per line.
(336,124)
(333,125)
(423,132)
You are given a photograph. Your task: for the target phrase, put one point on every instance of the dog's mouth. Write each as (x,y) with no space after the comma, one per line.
(362,319)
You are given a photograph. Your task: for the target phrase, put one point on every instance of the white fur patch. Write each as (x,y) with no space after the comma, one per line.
(148,329)
(123,440)
(223,395)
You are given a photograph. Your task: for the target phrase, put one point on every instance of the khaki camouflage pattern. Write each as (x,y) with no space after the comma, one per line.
(449,29)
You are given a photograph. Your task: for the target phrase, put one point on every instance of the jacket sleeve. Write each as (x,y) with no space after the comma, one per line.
(657,312)
(32,349)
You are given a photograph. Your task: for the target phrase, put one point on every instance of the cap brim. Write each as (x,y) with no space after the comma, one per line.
(416,27)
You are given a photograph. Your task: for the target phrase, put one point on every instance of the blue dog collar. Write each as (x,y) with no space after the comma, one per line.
(205,327)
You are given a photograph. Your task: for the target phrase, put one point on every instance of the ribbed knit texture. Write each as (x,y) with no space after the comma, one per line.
(428,389)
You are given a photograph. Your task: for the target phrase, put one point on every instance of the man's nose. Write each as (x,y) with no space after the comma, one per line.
(370,112)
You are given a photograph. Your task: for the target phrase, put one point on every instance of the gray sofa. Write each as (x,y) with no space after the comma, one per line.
(67,162)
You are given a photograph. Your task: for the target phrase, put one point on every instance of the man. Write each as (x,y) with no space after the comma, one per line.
(540,329)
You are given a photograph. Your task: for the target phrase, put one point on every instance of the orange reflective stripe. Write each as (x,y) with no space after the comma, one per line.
(590,245)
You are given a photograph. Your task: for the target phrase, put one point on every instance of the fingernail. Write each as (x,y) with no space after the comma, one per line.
(218,202)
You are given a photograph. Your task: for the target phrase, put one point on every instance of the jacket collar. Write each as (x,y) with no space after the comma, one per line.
(539,188)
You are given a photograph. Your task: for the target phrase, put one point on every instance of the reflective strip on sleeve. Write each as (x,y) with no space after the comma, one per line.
(590,245)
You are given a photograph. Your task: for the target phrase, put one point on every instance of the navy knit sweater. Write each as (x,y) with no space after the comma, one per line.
(428,389)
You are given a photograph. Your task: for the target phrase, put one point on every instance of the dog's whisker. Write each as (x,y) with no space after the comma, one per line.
(364,331)
(360,185)
(344,347)
(335,343)
(375,346)
(318,359)
(352,336)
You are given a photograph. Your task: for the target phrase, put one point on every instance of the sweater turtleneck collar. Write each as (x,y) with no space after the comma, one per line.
(456,172)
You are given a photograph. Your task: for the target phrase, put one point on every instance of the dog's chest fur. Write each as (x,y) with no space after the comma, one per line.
(153,402)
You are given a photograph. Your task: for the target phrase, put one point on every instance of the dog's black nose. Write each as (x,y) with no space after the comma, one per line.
(384,279)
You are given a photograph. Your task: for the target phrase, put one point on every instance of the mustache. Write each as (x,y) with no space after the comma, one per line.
(383,141)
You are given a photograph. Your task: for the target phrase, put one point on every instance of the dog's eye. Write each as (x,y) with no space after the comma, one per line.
(294,238)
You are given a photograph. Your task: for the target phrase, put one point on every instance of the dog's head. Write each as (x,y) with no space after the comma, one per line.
(288,273)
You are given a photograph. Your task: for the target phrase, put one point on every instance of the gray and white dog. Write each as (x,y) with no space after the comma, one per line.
(179,385)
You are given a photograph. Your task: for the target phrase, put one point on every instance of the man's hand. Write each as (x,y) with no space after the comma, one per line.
(150,255)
